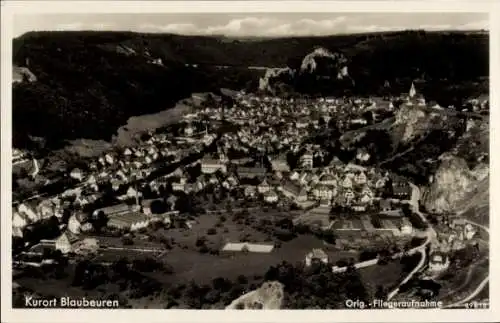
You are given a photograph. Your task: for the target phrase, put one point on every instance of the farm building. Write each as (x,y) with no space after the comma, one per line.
(249,247)
(406,227)
(65,242)
(116,209)
(86,246)
(210,166)
(438,261)
(128,221)
(316,255)
(251,172)
(271,197)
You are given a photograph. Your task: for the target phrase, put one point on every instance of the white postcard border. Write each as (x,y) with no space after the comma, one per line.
(10,8)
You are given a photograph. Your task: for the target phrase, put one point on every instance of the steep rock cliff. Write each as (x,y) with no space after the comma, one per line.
(321,61)
(316,68)
(451,183)
(412,121)
(272,75)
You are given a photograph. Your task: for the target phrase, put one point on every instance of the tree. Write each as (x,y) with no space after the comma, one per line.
(127,241)
(380,293)
(242,280)
(368,116)
(200,241)
(99,221)
(158,207)
(222,284)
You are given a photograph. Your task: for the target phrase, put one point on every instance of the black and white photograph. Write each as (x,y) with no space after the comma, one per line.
(248,161)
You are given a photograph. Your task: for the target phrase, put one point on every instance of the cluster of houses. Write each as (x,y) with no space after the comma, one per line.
(267,125)
(272,123)
(456,236)
(349,186)
(115,168)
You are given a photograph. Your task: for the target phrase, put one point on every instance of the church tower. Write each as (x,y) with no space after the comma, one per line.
(413,91)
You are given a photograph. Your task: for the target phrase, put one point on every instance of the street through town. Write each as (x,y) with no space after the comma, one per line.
(430,233)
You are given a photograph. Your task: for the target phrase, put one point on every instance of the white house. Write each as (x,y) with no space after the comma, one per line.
(32,216)
(366,199)
(406,227)
(307,160)
(302,197)
(74,226)
(439,261)
(76,174)
(360,178)
(323,192)
(380,183)
(328,179)
(280,165)
(316,255)
(65,242)
(18,220)
(271,197)
(188,131)
(294,176)
(359,207)
(347,182)
(469,231)
(210,166)
(263,187)
(109,159)
(349,195)
(179,186)
(250,191)
(127,152)
(132,192)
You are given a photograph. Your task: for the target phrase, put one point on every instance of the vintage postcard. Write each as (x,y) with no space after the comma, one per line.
(221,161)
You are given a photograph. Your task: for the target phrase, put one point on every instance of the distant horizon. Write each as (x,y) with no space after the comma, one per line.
(259,37)
(253,25)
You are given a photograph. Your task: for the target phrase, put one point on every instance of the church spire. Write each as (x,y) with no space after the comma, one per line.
(412,92)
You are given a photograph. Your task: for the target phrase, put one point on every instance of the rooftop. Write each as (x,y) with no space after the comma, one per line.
(251,247)
(318,253)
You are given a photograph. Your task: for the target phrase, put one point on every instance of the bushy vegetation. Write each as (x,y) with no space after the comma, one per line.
(317,287)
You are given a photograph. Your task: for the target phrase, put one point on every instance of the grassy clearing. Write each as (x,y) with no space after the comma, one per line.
(190,264)
(149,122)
(381,275)
(87,148)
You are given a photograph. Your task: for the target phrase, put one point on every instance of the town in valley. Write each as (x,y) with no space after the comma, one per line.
(252,198)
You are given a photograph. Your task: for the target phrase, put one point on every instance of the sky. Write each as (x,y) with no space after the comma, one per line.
(251,24)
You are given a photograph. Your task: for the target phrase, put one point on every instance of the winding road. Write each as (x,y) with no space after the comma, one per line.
(481,285)
(430,233)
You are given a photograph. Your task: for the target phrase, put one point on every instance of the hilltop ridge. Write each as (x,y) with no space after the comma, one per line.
(95,81)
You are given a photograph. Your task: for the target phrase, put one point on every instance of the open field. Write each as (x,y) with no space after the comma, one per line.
(150,122)
(225,231)
(138,242)
(317,220)
(350,136)
(192,265)
(111,255)
(371,223)
(86,148)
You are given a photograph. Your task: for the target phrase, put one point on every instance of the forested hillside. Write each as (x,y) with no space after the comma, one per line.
(89,83)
